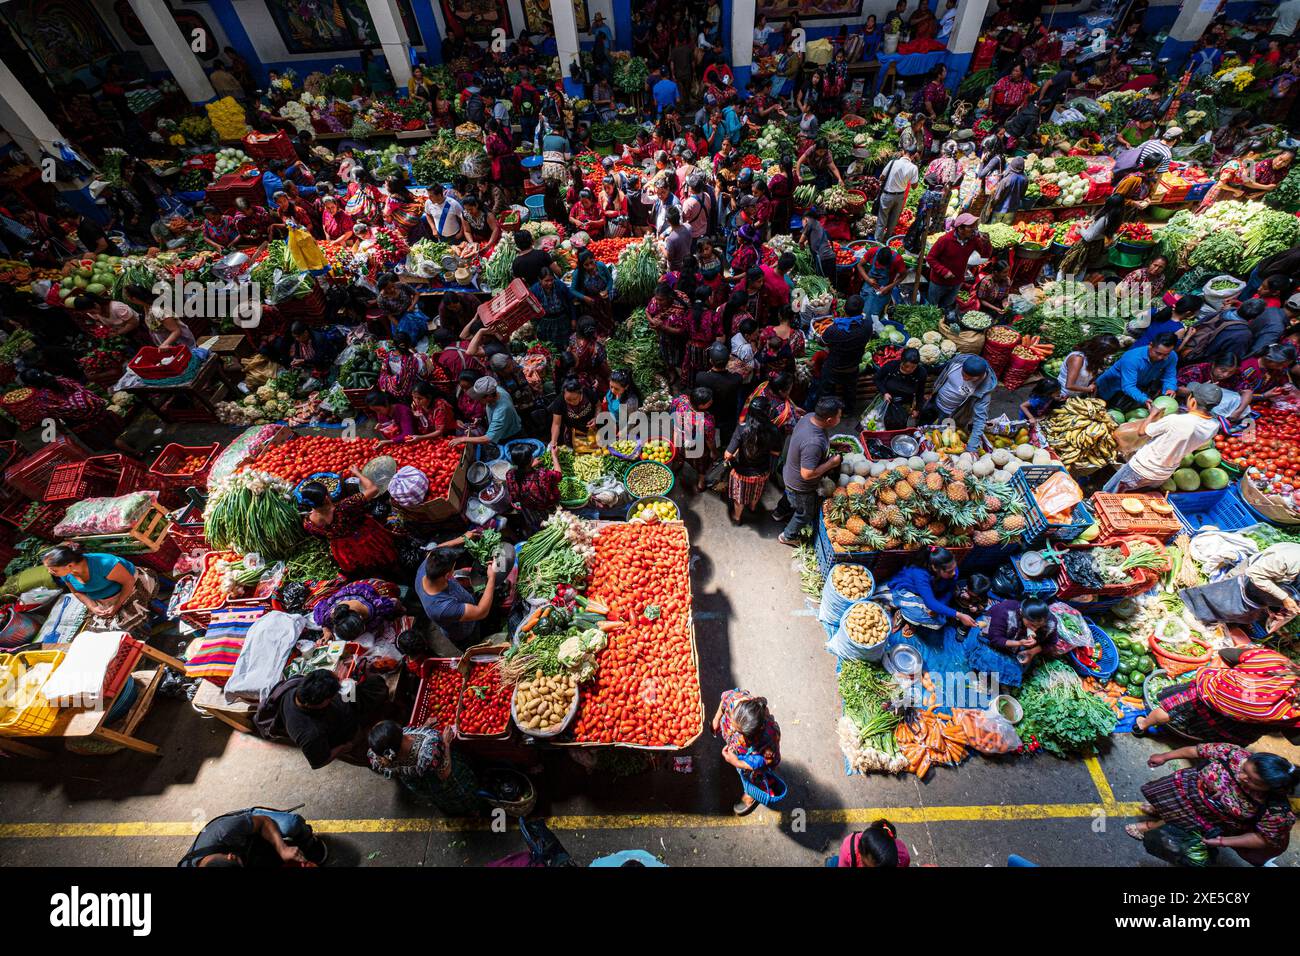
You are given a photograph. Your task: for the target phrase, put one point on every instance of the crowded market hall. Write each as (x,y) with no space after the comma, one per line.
(482,427)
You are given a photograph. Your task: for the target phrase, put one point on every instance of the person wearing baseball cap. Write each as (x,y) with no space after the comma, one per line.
(948,258)
(1169,439)
(963,389)
(503,422)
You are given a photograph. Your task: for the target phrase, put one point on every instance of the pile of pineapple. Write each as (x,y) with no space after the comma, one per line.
(905,508)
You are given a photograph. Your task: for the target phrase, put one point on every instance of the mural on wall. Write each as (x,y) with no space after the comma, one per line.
(332,26)
(63,35)
(475,19)
(187,20)
(537,16)
(810,9)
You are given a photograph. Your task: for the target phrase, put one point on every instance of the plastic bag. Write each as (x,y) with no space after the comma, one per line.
(873,419)
(104,515)
(1129,437)
(303,250)
(1178,845)
(988,732)
(1071,629)
(1058,494)
(606,492)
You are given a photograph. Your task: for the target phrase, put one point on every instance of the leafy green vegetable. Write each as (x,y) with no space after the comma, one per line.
(1286,196)
(1060,714)
(635,346)
(483,548)
(918,319)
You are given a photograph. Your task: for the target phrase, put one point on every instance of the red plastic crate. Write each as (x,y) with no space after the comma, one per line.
(131,474)
(269,147)
(75,480)
(187,531)
(8,452)
(148,363)
(508,310)
(40,525)
(30,476)
(167,466)
(431,669)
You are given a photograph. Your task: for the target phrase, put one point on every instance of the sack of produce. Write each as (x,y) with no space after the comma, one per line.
(862,633)
(104,515)
(845,584)
(966,341)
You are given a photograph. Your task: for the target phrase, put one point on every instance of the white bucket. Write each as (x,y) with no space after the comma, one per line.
(1007,707)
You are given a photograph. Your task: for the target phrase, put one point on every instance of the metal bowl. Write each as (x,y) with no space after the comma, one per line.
(905,660)
(478,474)
(904,446)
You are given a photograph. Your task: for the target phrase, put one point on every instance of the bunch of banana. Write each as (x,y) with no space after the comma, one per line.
(1082,433)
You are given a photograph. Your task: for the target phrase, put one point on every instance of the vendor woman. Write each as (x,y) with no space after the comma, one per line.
(356,607)
(1018,632)
(573,419)
(1255,694)
(115,592)
(1237,799)
(358,542)
(1266,583)
(927,590)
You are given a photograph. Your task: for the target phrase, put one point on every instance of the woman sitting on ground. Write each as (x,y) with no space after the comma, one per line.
(356,607)
(422,761)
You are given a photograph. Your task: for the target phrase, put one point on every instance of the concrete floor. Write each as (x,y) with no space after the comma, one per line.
(755,629)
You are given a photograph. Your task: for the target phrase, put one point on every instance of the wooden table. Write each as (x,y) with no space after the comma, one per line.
(204,390)
(81,723)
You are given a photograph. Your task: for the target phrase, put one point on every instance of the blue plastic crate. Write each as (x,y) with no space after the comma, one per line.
(828,557)
(1109,656)
(1224,509)
(1028,477)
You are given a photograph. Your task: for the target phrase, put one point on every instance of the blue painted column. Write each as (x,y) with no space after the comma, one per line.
(739,16)
(225,14)
(429,33)
(623,23)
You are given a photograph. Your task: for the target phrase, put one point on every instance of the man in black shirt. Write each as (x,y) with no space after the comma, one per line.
(256,837)
(846,341)
(531,263)
(317,718)
(726,388)
(902,383)
(94,238)
(1066,78)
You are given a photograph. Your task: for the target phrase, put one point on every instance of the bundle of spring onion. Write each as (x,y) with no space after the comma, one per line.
(639,267)
(560,553)
(253,512)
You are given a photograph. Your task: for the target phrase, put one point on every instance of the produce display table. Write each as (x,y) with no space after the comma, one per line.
(91,723)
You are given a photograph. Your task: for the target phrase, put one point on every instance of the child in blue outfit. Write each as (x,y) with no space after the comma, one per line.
(1045,397)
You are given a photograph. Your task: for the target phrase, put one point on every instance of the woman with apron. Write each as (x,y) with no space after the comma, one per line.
(479,224)
(880,270)
(115,592)
(573,420)
(592,279)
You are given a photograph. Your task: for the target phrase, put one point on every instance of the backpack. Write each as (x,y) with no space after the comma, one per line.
(267,721)
(1199,337)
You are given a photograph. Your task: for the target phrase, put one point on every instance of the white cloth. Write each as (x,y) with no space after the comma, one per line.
(265,652)
(1171,439)
(78,681)
(1277,564)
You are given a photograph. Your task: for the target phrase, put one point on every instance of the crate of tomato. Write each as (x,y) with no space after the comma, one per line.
(483,710)
(184,466)
(438,693)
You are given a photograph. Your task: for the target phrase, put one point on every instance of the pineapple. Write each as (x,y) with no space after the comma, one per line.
(937,528)
(993,503)
(957,474)
(895,516)
(903,489)
(877,520)
(931,468)
(921,520)
(856,525)
(934,481)
(887,496)
(986,538)
(904,473)
(872,540)
(1013,524)
(844,537)
(856,488)
(988,524)
(956,490)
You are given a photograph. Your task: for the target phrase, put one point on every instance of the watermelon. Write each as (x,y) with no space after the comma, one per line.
(1208,459)
(1215,479)
(1169,486)
(1117,416)
(1169,405)
(1137,415)
(1187,480)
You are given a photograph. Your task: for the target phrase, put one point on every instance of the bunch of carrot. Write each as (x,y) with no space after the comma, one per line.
(1111,691)
(927,738)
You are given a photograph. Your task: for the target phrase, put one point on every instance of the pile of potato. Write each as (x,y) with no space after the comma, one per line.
(867,624)
(852,581)
(543,702)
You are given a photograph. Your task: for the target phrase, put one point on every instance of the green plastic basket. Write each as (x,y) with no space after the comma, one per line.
(672,479)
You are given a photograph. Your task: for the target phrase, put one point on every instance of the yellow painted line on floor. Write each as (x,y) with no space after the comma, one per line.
(622,821)
(1100,782)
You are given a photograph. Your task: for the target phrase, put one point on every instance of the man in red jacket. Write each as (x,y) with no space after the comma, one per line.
(948,258)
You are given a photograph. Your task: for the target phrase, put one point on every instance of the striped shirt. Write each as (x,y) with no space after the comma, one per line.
(1155,147)
(1259,688)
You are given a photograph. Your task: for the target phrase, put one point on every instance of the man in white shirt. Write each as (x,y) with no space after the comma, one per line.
(1170,440)
(1287,16)
(899,173)
(443,214)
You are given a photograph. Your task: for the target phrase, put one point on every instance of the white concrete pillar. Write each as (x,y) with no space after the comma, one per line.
(174,48)
(966,31)
(1193,18)
(24,120)
(566,40)
(392,37)
(742,39)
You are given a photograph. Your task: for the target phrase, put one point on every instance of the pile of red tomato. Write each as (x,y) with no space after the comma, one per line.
(608,250)
(439,692)
(208,592)
(485,702)
(1272,457)
(305,455)
(646,690)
